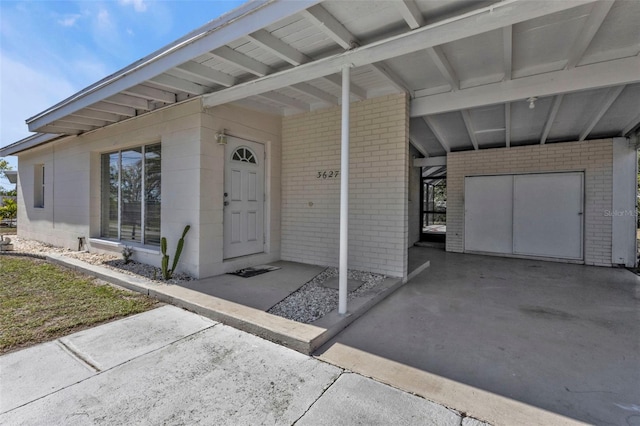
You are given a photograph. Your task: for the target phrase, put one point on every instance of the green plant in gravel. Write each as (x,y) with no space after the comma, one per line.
(166,272)
(127,252)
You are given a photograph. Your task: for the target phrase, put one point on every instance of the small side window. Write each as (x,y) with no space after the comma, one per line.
(38,185)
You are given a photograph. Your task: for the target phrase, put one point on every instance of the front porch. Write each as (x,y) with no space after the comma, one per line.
(243,302)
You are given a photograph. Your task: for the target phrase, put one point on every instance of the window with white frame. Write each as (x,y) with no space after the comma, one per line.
(38,186)
(131,195)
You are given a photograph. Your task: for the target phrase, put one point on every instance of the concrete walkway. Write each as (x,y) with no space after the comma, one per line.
(259,292)
(510,341)
(170,366)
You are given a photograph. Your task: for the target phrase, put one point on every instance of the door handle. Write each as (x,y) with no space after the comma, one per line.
(226,203)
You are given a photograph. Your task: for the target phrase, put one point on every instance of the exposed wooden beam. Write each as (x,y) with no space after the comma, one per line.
(356,90)
(557,101)
(480,21)
(410,12)
(152,93)
(466,117)
(175,83)
(207,73)
(242,61)
(278,47)
(250,103)
(286,101)
(507,124)
(316,93)
(390,75)
(418,147)
(51,128)
(130,101)
(430,161)
(507,55)
(98,115)
(247,18)
(444,88)
(632,125)
(438,133)
(439,58)
(287,53)
(69,125)
(589,30)
(84,120)
(604,74)
(336,31)
(113,109)
(417,135)
(611,97)
(326,22)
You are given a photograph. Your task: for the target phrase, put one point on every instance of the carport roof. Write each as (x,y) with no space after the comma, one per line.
(472,69)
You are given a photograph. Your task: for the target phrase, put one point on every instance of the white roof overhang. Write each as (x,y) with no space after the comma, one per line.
(470,68)
(28,143)
(11,175)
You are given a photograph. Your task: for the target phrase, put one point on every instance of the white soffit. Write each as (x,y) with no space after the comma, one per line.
(618,117)
(575,112)
(527,124)
(468,65)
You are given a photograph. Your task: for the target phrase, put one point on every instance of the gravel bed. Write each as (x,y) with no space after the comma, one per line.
(307,304)
(111,261)
(312,301)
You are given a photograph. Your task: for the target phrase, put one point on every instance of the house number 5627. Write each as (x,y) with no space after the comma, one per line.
(328,174)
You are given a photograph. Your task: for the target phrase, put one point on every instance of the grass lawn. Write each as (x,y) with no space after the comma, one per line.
(41,302)
(5,230)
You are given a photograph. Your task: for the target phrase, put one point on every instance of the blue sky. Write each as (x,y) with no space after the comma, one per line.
(52,49)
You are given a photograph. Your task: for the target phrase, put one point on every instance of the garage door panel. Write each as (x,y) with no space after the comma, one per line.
(488,214)
(547,215)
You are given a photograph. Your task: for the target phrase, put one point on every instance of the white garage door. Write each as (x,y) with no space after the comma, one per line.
(532,214)
(489,214)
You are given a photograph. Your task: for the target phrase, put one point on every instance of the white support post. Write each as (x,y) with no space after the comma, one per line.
(344,195)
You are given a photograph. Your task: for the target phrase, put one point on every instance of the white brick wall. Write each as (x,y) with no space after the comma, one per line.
(378,186)
(595,158)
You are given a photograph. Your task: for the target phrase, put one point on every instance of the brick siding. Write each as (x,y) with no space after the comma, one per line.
(594,158)
(379,158)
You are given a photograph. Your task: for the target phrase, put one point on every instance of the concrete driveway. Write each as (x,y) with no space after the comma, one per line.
(500,337)
(170,366)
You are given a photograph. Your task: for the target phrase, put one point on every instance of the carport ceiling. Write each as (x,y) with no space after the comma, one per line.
(469,66)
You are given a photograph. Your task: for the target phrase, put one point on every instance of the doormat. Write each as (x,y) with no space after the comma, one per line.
(256,270)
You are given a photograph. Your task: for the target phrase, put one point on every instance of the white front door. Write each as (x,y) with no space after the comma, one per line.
(243,198)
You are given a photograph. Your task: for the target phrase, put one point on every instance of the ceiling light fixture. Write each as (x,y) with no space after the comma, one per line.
(532,102)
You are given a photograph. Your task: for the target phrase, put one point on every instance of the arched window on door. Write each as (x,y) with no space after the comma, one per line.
(244,155)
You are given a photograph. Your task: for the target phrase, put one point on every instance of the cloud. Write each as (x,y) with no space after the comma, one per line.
(69,20)
(138,5)
(104,19)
